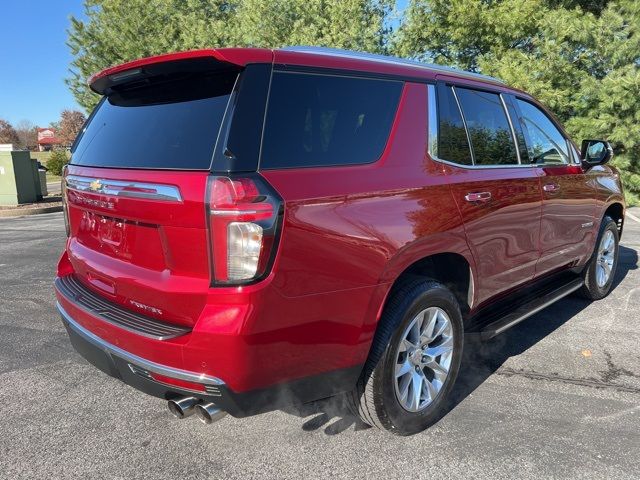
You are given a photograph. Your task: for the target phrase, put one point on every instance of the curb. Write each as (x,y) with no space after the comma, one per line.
(22,212)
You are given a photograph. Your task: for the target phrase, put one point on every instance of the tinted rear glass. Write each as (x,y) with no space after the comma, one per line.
(320,120)
(489,128)
(172,125)
(453,144)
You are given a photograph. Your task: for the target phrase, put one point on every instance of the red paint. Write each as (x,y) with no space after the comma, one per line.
(236,56)
(347,235)
(568,210)
(503,231)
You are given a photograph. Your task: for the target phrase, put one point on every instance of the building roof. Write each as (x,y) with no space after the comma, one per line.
(47,136)
(49,141)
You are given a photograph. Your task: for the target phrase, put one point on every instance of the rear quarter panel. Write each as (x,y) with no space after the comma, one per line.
(350,231)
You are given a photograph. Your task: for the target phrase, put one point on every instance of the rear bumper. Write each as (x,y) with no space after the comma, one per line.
(136,372)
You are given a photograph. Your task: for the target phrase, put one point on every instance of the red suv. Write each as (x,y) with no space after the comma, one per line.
(250,228)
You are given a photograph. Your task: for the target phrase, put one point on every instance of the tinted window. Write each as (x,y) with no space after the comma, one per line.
(491,137)
(518,129)
(545,142)
(453,144)
(171,125)
(317,120)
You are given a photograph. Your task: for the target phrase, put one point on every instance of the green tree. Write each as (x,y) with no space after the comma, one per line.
(57,161)
(116,31)
(460,32)
(351,24)
(580,58)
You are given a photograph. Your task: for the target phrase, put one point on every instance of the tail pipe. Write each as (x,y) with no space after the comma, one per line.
(209,413)
(183,407)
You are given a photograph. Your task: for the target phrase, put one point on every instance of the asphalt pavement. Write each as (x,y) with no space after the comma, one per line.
(556,396)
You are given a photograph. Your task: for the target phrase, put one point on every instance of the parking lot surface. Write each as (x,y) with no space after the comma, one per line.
(556,396)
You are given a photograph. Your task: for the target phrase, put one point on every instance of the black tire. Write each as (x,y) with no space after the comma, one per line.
(374,399)
(591,289)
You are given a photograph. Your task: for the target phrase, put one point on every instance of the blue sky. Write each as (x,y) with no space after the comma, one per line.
(34,59)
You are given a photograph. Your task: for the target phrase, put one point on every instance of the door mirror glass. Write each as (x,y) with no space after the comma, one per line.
(596,152)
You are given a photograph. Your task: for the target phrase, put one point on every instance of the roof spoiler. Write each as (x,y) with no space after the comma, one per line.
(193,61)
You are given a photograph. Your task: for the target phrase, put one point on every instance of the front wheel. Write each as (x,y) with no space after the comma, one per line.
(599,272)
(414,360)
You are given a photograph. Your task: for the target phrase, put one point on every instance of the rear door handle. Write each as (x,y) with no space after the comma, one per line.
(551,187)
(478,197)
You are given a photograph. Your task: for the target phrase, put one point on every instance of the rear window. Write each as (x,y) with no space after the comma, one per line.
(453,144)
(319,120)
(169,125)
(488,126)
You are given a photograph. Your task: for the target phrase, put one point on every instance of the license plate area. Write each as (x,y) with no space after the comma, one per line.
(128,240)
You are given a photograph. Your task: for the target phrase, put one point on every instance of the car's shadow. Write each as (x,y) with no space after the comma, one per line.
(480,360)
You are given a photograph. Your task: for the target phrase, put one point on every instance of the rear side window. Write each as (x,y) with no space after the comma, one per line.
(453,144)
(488,126)
(545,142)
(172,124)
(318,120)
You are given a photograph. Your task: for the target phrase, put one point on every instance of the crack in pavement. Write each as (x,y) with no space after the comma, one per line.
(613,371)
(554,377)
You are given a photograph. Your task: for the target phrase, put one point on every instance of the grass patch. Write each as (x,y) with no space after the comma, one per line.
(43,158)
(53,178)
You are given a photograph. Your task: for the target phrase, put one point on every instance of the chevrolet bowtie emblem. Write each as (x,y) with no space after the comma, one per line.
(95,186)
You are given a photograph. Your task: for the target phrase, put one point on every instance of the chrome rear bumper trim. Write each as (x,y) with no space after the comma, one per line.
(134,359)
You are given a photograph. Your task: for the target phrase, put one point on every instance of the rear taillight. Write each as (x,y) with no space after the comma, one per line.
(65,207)
(243,222)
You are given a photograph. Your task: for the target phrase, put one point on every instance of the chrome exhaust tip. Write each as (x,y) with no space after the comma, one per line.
(182,407)
(209,413)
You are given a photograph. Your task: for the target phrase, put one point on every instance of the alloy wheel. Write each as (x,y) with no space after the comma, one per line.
(605,258)
(423,359)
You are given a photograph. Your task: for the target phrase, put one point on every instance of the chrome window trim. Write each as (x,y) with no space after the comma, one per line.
(513,131)
(481,167)
(466,128)
(117,188)
(134,359)
(575,155)
(433,131)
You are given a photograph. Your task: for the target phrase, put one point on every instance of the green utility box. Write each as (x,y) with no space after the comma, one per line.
(19,180)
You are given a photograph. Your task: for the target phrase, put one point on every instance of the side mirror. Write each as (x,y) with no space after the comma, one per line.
(595,152)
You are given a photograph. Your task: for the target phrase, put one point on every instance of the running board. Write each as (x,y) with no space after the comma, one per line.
(530,308)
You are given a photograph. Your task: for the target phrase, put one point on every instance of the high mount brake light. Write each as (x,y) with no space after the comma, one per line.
(243,223)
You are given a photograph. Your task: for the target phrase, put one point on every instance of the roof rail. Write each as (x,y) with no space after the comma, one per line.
(372,57)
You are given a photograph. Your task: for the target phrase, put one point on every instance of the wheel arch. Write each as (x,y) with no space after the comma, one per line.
(615,210)
(445,258)
(453,269)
